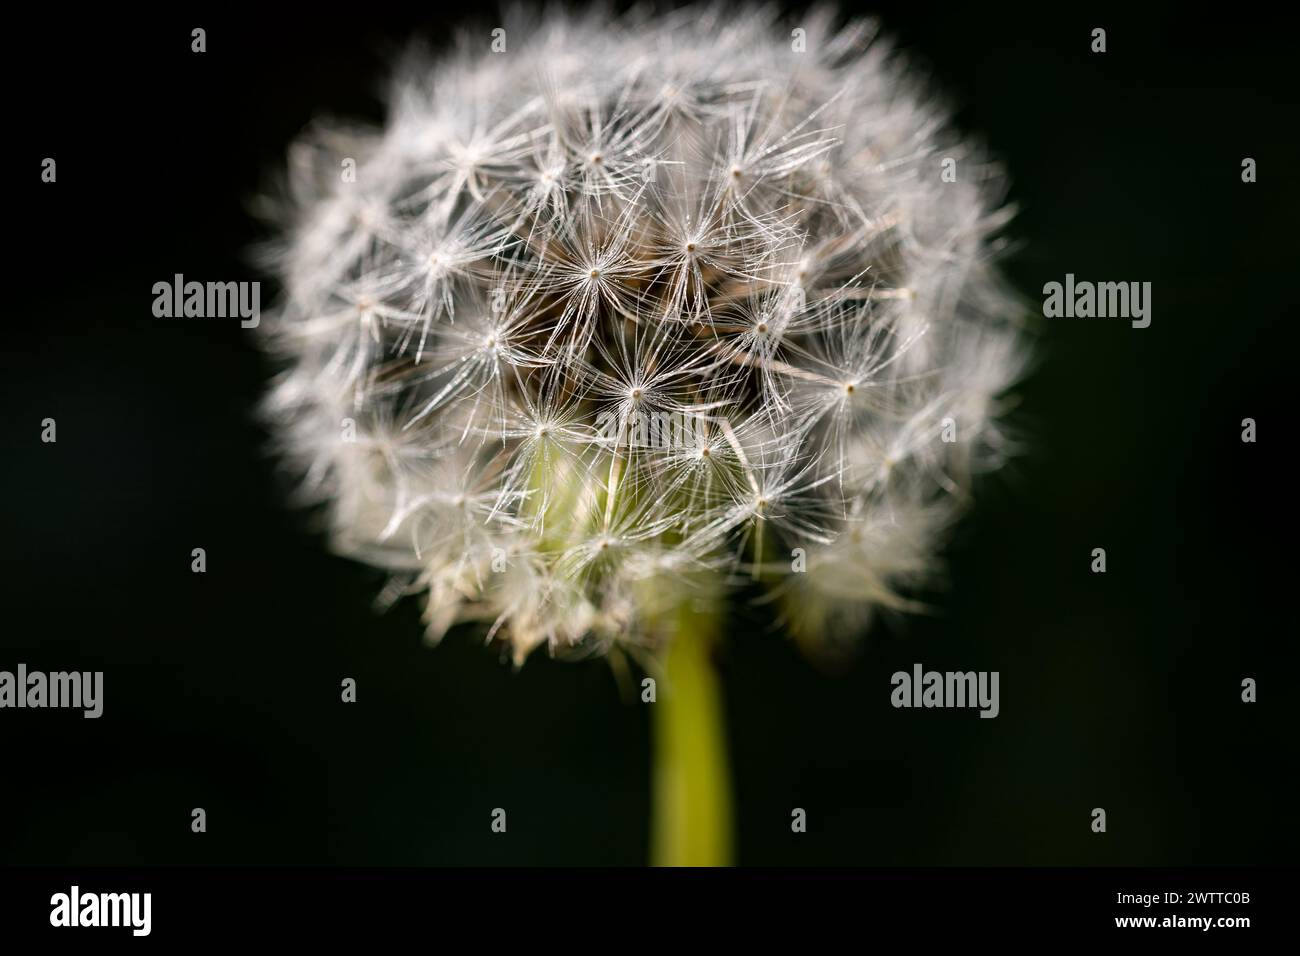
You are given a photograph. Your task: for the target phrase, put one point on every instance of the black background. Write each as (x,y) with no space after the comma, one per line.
(222,690)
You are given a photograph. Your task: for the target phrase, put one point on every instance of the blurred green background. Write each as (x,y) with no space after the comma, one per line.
(222,690)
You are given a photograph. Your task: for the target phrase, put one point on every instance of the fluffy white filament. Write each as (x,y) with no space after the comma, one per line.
(635,305)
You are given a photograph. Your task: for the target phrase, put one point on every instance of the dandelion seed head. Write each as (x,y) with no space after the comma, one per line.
(624,228)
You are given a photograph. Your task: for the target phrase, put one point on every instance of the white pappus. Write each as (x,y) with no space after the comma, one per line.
(685,218)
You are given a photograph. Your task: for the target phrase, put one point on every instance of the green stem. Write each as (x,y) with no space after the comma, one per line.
(692,789)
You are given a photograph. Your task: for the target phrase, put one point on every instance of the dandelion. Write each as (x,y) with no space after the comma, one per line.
(679,218)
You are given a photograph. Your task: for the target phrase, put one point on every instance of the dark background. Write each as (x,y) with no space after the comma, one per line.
(222,690)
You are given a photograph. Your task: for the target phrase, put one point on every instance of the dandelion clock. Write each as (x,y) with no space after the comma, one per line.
(617,323)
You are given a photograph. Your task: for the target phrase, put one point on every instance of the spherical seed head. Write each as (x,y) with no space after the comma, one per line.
(635,304)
